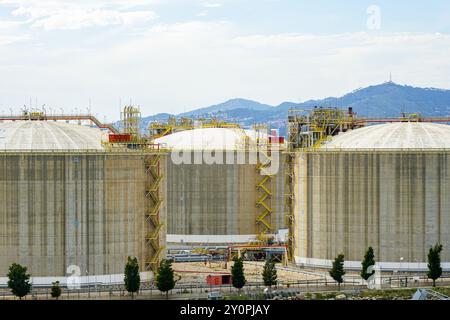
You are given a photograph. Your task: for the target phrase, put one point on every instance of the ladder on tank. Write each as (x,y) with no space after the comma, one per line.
(154,202)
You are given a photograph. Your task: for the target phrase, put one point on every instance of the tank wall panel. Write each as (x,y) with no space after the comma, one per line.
(396,202)
(219,199)
(61,210)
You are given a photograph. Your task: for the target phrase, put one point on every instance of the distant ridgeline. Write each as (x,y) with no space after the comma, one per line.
(385,100)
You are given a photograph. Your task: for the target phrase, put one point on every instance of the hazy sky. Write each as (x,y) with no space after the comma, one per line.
(177,55)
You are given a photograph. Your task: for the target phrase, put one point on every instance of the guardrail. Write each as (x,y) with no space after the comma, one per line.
(253,289)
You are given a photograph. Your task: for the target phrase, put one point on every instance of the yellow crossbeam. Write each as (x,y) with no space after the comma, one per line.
(268,227)
(154,244)
(262,216)
(153,264)
(155,209)
(264,180)
(155,174)
(155,185)
(153,161)
(156,255)
(262,199)
(265,189)
(154,196)
(154,220)
(155,233)
(266,206)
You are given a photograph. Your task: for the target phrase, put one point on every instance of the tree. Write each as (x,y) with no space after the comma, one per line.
(56,290)
(132,278)
(434,263)
(369,260)
(19,280)
(269,273)
(237,274)
(337,271)
(165,278)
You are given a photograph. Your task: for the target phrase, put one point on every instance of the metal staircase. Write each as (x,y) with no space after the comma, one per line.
(154,202)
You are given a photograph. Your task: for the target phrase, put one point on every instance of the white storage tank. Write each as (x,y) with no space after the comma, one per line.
(385,186)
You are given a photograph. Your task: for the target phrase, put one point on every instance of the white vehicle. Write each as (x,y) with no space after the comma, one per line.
(214,295)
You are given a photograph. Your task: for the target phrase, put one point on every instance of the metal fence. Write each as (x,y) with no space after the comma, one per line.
(254,290)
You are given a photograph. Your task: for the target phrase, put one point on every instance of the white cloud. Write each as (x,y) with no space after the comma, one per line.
(211,5)
(8,40)
(202,14)
(70,15)
(9,24)
(76,19)
(175,66)
(208,5)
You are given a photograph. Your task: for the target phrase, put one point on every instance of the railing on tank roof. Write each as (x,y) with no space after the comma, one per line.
(363,150)
(81,150)
(60,117)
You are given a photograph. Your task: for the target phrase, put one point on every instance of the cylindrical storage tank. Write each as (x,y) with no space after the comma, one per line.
(67,205)
(385,186)
(212,187)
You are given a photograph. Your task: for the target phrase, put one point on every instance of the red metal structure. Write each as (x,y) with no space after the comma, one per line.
(276,140)
(218,279)
(119,137)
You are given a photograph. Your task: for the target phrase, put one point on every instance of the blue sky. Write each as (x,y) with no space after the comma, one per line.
(176,55)
(326,16)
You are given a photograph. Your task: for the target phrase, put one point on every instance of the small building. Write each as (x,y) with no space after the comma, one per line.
(218,279)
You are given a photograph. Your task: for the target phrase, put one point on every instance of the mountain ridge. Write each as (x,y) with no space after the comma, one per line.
(232,104)
(382,100)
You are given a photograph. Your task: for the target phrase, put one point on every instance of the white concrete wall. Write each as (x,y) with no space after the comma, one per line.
(206,239)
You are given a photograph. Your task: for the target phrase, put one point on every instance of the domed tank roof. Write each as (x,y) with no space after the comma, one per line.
(49,135)
(405,135)
(208,138)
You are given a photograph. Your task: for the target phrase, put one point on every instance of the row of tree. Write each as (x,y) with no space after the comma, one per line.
(337,271)
(19,282)
(165,278)
(269,274)
(19,279)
